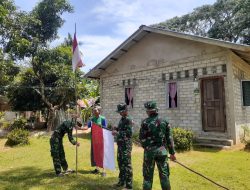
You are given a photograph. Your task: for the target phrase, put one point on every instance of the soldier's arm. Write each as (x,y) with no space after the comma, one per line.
(169,138)
(70,136)
(142,135)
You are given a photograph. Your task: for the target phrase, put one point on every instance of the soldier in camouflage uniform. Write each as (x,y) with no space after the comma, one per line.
(155,137)
(56,144)
(124,142)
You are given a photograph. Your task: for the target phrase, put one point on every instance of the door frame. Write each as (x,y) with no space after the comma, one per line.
(223,103)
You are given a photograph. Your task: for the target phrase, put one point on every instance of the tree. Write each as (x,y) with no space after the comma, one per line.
(227,20)
(29,37)
(8,70)
(48,85)
(7,9)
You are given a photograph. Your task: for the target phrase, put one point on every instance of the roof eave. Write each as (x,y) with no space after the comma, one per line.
(111,57)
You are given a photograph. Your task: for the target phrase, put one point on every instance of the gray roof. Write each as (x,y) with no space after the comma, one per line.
(243,51)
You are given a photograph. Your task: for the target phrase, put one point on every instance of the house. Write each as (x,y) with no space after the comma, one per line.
(199,83)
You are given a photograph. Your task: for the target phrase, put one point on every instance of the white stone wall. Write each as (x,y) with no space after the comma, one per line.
(241,71)
(150,86)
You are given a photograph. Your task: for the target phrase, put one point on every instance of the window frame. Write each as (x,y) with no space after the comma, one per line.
(242,93)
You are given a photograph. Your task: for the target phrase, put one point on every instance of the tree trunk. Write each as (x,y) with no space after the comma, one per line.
(51,118)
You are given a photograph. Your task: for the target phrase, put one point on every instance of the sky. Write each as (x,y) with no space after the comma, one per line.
(102,25)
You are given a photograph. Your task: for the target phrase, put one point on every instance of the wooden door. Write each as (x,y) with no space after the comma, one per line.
(213,104)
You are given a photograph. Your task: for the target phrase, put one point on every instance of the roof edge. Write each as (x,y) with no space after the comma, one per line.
(211,41)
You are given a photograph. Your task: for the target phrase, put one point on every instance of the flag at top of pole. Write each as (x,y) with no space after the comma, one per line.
(76,58)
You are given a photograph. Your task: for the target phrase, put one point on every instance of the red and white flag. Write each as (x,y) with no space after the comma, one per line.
(103,147)
(76,58)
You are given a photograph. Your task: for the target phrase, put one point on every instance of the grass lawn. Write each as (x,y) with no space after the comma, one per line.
(30,167)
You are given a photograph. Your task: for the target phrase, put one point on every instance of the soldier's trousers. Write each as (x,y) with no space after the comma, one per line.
(58,155)
(150,158)
(124,164)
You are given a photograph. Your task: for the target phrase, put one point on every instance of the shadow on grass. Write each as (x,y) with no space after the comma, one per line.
(206,149)
(25,178)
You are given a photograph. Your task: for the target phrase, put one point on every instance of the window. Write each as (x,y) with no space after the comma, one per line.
(246,93)
(187,74)
(172,95)
(129,97)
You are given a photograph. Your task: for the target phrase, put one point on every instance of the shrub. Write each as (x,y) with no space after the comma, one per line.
(183,138)
(18,137)
(18,124)
(245,138)
(1,115)
(247,145)
(5,125)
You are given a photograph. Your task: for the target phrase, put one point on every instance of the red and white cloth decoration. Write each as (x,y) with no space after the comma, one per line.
(76,58)
(103,147)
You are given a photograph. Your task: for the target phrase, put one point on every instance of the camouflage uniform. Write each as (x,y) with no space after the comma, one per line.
(56,144)
(124,143)
(155,136)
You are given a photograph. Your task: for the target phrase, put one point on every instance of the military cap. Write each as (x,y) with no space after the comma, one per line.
(151,106)
(121,108)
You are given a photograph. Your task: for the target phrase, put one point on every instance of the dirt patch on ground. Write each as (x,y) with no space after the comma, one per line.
(236,147)
(3,148)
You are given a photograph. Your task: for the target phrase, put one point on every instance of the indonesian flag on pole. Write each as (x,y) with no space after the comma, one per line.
(76,59)
(103,147)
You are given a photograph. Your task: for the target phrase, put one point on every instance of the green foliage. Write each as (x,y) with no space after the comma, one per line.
(17,137)
(6,11)
(88,88)
(5,125)
(87,111)
(18,124)
(226,20)
(1,115)
(245,138)
(8,71)
(49,12)
(183,139)
(55,81)
(247,145)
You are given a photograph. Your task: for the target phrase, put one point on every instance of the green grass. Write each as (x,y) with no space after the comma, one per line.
(30,168)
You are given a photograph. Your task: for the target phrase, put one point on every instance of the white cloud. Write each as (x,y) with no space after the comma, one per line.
(123,17)
(128,15)
(96,48)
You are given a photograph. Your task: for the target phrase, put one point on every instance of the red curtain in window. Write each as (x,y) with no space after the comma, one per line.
(172,93)
(129,94)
